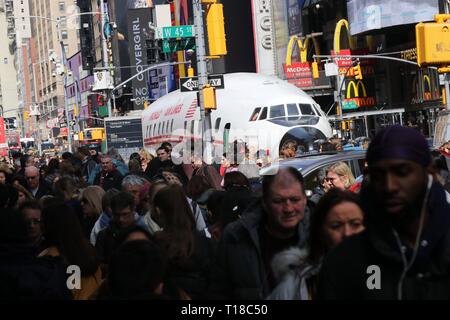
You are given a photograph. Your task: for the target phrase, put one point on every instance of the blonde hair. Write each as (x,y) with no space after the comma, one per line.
(146,155)
(94,195)
(342,169)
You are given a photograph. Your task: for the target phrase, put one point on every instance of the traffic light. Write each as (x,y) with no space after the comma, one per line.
(357,72)
(100,100)
(315,70)
(145,104)
(216,30)
(26,115)
(209,95)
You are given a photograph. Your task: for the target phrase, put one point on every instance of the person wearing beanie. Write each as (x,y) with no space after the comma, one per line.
(404,251)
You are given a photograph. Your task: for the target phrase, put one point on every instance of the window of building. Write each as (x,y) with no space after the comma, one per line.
(62,6)
(64,34)
(171,126)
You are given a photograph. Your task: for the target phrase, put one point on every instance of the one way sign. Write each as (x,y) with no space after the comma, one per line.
(191,84)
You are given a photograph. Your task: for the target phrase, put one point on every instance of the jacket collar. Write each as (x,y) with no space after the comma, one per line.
(435,236)
(253,217)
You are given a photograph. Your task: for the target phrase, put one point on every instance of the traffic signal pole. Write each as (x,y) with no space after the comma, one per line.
(447,75)
(202,73)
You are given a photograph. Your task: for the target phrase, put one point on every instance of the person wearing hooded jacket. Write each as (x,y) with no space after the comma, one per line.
(338,215)
(246,247)
(404,251)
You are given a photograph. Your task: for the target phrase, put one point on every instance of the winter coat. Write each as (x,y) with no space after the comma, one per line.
(88,284)
(292,272)
(24,276)
(239,272)
(192,274)
(120,166)
(369,265)
(111,180)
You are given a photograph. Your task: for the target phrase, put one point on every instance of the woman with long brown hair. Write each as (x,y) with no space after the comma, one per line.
(188,251)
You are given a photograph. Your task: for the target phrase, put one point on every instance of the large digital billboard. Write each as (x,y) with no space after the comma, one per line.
(365,15)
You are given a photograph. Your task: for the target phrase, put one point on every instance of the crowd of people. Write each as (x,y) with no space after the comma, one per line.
(154,229)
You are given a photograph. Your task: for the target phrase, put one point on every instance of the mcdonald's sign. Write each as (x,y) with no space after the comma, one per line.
(356,96)
(300,73)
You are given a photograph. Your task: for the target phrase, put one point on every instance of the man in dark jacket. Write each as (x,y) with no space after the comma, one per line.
(24,276)
(109,177)
(269,226)
(404,253)
(37,189)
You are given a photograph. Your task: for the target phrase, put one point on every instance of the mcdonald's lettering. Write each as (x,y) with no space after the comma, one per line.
(298,70)
(365,70)
(300,73)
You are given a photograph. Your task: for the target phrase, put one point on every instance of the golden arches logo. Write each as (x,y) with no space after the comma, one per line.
(337,36)
(356,87)
(302,48)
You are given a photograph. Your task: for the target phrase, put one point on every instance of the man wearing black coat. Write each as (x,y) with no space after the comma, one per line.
(109,177)
(37,189)
(404,253)
(247,246)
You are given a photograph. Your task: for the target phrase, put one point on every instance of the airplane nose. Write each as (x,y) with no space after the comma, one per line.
(303,137)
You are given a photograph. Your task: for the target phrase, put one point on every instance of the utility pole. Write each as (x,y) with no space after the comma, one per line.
(202,73)
(105,54)
(66,105)
(446,5)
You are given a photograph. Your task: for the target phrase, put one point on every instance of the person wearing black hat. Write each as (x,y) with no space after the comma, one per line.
(404,251)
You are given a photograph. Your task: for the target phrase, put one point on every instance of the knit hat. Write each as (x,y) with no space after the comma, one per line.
(397,142)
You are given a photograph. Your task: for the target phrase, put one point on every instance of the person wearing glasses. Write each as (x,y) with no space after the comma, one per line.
(339,176)
(37,189)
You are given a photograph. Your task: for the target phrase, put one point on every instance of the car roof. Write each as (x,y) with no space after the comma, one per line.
(305,163)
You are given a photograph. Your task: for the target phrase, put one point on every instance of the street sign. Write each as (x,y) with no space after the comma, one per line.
(169,46)
(175,32)
(191,84)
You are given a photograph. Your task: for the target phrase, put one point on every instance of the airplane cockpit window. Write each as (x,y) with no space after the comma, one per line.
(263,115)
(217,125)
(255,114)
(277,111)
(306,109)
(318,109)
(292,109)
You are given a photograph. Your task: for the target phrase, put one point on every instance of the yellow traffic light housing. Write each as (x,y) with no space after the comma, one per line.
(26,115)
(209,96)
(145,104)
(433,41)
(315,70)
(216,30)
(357,72)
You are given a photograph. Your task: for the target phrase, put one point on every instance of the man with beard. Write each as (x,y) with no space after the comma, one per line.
(404,253)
